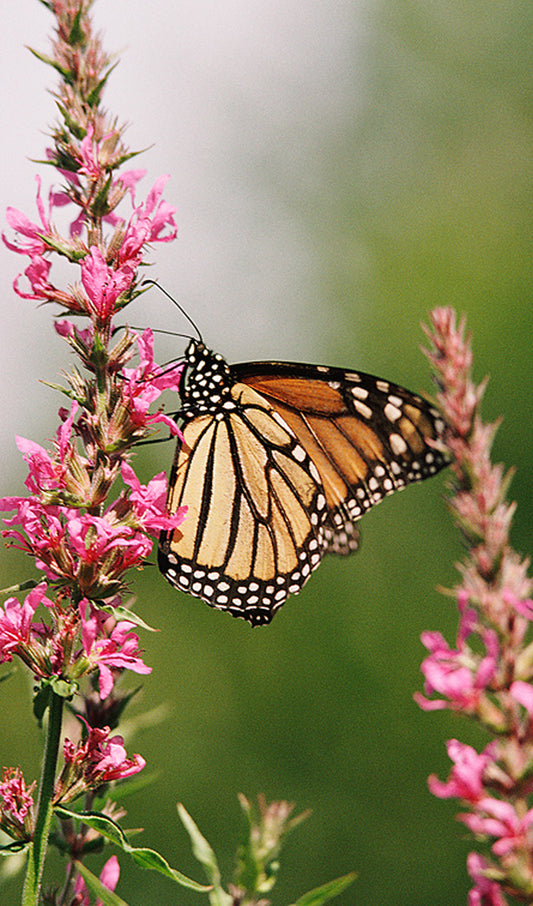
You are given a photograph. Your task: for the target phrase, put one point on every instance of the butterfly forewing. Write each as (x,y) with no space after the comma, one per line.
(278,462)
(366,436)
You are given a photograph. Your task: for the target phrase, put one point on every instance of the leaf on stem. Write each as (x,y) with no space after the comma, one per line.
(106,897)
(326,892)
(206,857)
(142,856)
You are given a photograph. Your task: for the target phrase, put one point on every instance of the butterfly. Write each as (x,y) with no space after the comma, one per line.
(277,463)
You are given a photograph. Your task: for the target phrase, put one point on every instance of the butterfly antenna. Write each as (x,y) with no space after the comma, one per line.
(177,304)
(169,333)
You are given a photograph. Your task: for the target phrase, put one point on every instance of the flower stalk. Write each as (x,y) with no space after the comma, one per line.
(488,675)
(43,821)
(73,631)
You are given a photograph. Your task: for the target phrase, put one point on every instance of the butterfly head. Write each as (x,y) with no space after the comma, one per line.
(207,379)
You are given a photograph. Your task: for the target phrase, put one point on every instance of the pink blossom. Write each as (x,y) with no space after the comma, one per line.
(90,165)
(523,606)
(117,651)
(108,876)
(44,473)
(111,762)
(68,330)
(61,539)
(64,433)
(97,760)
(37,273)
(103,284)
(16,620)
(149,502)
(146,382)
(93,537)
(497,818)
(44,529)
(486,892)
(47,473)
(148,223)
(32,232)
(522,692)
(16,804)
(458,674)
(129,180)
(466,778)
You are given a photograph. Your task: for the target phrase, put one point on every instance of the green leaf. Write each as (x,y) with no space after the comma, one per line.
(206,857)
(146,858)
(76,34)
(13,849)
(93,98)
(106,896)
(7,675)
(64,73)
(326,892)
(200,847)
(60,388)
(122,613)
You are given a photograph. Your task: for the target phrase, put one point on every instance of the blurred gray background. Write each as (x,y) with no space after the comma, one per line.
(338,168)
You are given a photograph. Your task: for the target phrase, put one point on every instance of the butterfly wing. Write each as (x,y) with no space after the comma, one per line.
(256,507)
(278,462)
(366,436)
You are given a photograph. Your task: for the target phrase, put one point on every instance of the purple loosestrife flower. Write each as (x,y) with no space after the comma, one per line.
(92,763)
(72,630)
(489,674)
(109,646)
(16,805)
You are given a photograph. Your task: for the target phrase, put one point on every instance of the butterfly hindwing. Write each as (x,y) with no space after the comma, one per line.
(253,532)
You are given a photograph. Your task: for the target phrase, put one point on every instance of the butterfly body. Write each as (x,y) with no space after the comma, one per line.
(278,462)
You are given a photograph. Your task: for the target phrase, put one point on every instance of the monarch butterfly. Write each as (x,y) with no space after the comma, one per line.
(278,462)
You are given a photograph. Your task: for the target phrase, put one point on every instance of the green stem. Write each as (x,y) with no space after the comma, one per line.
(37,853)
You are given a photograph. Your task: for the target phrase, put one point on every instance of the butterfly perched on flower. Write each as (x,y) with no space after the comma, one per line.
(277,464)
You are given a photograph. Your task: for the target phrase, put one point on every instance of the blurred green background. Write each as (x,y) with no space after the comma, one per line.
(339,170)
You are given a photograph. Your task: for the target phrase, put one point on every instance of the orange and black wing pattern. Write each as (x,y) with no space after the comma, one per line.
(278,462)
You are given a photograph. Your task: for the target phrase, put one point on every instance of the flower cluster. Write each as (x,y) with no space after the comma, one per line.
(72,631)
(97,760)
(16,805)
(488,675)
